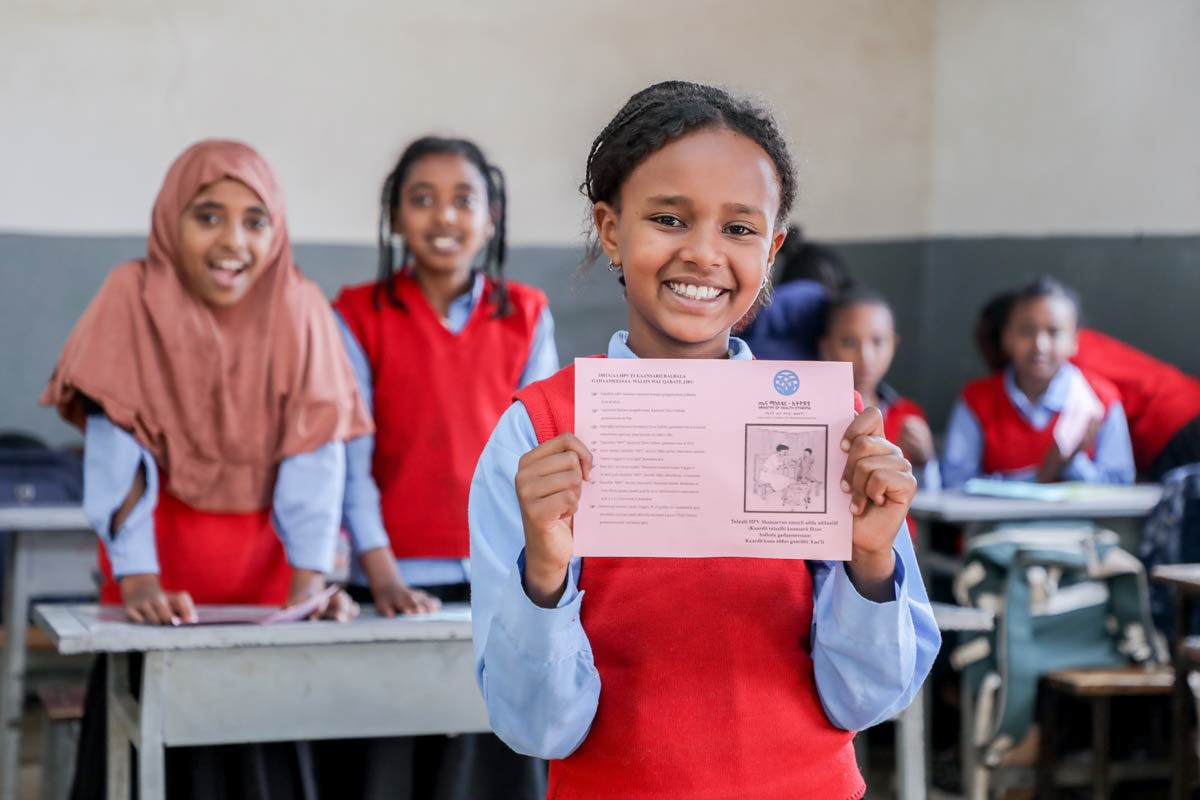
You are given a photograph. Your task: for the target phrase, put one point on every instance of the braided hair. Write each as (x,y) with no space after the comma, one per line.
(496,250)
(664,112)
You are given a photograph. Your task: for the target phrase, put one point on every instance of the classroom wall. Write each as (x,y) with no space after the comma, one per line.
(949,148)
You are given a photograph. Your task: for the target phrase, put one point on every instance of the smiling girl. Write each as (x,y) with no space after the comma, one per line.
(698,678)
(215,399)
(439,342)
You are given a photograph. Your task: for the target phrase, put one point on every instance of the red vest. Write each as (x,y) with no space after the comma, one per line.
(707,679)
(1158,398)
(217,558)
(1010,443)
(438,396)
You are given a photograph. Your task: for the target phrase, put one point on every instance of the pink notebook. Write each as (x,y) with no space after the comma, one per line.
(239,615)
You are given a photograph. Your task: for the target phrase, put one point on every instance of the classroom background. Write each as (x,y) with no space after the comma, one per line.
(947,149)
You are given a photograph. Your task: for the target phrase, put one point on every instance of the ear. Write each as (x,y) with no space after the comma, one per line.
(776,243)
(606,218)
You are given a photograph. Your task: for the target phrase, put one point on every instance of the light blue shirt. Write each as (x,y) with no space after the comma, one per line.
(1113,463)
(535,667)
(305,511)
(361,509)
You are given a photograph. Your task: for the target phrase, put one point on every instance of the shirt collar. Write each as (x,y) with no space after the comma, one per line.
(1055,397)
(618,347)
(467,301)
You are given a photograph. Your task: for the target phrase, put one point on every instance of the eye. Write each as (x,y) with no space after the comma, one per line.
(258,223)
(737,229)
(465,201)
(207,218)
(420,200)
(667,220)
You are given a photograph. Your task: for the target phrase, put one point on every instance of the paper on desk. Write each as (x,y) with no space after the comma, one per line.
(238,615)
(703,458)
(1080,410)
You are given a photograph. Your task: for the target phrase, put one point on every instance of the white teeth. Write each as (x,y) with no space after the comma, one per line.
(229,264)
(444,243)
(693,291)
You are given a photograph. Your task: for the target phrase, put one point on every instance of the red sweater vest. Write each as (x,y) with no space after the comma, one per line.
(707,679)
(893,421)
(1010,443)
(1158,398)
(437,397)
(217,558)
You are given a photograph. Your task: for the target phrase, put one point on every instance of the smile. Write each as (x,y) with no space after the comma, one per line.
(694,292)
(443,244)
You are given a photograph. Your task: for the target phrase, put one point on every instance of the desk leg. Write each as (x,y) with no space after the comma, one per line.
(151,753)
(1180,752)
(910,749)
(12,696)
(118,731)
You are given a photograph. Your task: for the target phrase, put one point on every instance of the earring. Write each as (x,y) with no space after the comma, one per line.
(613,267)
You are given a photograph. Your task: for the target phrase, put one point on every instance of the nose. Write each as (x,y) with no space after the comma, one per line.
(1042,342)
(447,213)
(233,235)
(702,247)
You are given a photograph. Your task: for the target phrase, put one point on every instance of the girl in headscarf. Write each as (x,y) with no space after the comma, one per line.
(215,398)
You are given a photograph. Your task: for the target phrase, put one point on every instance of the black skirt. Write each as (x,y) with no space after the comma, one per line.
(465,767)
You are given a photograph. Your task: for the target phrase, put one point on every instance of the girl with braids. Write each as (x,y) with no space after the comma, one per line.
(697,678)
(439,342)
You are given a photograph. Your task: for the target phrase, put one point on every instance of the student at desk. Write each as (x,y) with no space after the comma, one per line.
(1042,418)
(215,397)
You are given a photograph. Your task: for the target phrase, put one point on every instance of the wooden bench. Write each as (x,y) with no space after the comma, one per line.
(60,737)
(1098,687)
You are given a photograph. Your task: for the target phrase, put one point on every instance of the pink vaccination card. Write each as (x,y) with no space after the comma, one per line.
(699,458)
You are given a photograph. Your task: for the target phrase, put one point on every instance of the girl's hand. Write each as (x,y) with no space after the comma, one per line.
(1055,460)
(916,441)
(881,486)
(146,603)
(392,595)
(549,482)
(306,583)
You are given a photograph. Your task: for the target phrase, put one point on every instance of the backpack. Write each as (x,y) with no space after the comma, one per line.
(1065,597)
(1172,536)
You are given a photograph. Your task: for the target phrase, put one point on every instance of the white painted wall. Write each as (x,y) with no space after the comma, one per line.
(1077,116)
(97,97)
(910,118)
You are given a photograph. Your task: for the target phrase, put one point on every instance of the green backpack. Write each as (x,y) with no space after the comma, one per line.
(1065,596)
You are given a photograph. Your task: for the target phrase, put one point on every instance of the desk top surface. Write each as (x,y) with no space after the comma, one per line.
(1182,576)
(83,629)
(1108,502)
(43,518)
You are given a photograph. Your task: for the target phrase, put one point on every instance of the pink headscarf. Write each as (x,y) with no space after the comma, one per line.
(218,396)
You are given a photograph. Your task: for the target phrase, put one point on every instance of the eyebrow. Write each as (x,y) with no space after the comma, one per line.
(677,200)
(427,185)
(213,205)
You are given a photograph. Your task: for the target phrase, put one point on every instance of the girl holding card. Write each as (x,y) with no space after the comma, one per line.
(1041,418)
(707,678)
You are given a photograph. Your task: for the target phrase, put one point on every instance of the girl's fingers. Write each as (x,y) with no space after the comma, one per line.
(158,610)
(866,467)
(182,606)
(868,423)
(568,462)
(866,447)
(890,484)
(563,443)
(135,615)
(554,508)
(550,485)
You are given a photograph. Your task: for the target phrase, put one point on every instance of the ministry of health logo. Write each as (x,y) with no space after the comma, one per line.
(787,382)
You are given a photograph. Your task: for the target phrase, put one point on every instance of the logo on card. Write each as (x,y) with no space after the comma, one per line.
(787,383)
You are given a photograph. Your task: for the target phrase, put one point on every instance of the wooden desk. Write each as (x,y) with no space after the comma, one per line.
(1185,578)
(224,684)
(52,551)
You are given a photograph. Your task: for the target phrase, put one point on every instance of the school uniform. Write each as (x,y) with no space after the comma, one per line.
(1162,403)
(896,409)
(437,386)
(998,432)
(700,678)
(218,558)
(235,414)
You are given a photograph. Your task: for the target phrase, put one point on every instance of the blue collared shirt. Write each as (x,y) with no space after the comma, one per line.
(305,511)
(534,665)
(361,509)
(1113,463)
